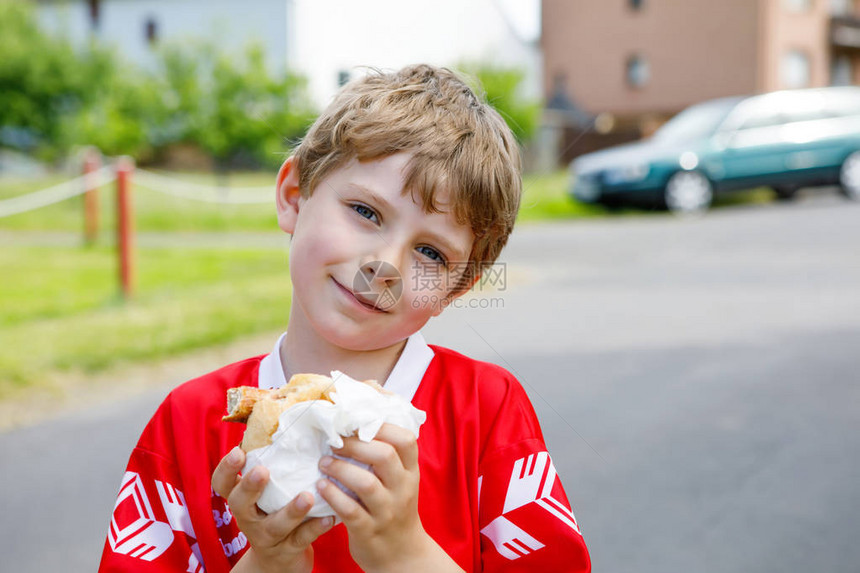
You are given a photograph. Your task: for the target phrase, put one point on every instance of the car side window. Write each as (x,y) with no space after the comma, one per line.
(766,119)
(806,115)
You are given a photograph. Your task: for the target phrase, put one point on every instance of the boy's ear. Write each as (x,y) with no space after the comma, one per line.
(288,195)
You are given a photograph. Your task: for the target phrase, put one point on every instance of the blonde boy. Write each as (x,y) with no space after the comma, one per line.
(404,175)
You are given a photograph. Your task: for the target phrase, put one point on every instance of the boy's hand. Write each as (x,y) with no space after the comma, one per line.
(280,541)
(385,531)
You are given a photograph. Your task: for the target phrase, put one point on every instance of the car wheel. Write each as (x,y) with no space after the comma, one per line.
(688,193)
(785,193)
(849,176)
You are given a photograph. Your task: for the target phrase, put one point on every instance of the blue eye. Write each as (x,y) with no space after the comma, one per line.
(365,211)
(432,254)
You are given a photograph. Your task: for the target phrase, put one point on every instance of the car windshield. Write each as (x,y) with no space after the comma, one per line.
(696,122)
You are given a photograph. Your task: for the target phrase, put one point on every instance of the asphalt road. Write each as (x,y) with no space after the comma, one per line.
(698,384)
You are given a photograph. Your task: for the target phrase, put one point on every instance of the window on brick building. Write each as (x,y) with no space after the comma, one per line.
(638,71)
(795,69)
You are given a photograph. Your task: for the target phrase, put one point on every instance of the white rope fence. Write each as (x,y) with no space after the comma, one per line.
(205,193)
(56,193)
(143,178)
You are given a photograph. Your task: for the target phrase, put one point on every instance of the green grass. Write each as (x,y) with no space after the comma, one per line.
(60,309)
(750,196)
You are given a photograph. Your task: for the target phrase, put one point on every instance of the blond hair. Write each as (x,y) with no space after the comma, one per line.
(458,144)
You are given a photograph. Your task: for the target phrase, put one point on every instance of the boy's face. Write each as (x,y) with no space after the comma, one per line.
(369,266)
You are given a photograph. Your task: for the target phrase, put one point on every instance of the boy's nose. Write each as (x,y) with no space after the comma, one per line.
(381,272)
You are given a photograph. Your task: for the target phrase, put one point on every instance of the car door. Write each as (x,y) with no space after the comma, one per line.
(756,152)
(789,138)
(832,133)
(818,127)
(816,145)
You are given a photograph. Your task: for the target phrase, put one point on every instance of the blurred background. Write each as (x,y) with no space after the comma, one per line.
(681,296)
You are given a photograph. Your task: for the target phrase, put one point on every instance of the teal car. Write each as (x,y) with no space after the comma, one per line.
(785,140)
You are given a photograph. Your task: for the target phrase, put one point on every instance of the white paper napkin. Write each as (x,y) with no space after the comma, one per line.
(308,431)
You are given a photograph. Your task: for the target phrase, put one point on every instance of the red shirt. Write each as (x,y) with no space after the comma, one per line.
(489,494)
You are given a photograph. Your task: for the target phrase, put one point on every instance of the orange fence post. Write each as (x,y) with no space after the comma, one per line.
(91,198)
(125,225)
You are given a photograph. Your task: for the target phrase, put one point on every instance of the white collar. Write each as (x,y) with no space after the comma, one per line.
(403,380)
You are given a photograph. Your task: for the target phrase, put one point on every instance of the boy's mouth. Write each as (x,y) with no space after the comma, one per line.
(363,301)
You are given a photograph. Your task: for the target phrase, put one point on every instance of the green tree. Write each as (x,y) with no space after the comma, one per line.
(232,108)
(502,86)
(123,118)
(42,78)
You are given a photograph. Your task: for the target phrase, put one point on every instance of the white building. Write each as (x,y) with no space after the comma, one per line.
(333,38)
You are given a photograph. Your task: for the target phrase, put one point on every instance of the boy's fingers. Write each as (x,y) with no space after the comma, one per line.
(309,531)
(285,520)
(381,455)
(243,498)
(367,486)
(349,510)
(403,441)
(289,523)
(225,477)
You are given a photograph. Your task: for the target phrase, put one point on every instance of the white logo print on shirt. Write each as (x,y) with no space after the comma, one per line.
(143,536)
(531,481)
(510,541)
(174,506)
